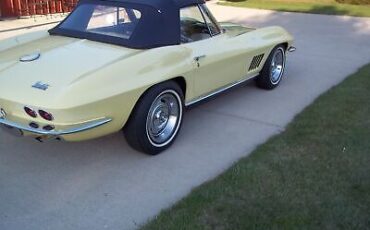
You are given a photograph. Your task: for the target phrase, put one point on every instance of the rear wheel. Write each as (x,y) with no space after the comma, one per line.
(273,70)
(156,119)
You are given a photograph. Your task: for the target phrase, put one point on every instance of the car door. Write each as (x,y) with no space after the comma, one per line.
(214,67)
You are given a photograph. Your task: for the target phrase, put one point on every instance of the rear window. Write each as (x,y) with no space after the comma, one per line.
(112,21)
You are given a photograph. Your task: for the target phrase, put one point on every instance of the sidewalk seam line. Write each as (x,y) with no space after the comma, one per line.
(281,128)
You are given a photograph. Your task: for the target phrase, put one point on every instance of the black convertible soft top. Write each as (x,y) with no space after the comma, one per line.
(159,24)
(162,4)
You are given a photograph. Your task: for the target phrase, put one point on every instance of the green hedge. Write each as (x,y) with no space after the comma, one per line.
(355,2)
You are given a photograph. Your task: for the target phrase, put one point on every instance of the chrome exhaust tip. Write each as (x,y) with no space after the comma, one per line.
(292,49)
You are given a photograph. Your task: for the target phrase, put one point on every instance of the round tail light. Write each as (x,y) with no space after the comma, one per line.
(30,112)
(47,116)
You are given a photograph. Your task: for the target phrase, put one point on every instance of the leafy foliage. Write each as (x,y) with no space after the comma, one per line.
(354,2)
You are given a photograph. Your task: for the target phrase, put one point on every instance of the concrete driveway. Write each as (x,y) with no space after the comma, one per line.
(103,184)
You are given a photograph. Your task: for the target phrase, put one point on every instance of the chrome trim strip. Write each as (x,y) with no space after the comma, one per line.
(218,91)
(83,127)
(30,57)
(204,18)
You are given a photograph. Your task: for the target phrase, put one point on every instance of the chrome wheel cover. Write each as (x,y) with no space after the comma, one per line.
(277,66)
(164,118)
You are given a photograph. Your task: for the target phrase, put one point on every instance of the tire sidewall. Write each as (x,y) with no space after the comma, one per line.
(264,80)
(178,123)
(136,128)
(278,48)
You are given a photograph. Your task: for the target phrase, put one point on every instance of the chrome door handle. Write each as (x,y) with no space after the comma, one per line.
(199,57)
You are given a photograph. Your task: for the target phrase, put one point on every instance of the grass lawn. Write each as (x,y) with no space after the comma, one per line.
(306,6)
(315,175)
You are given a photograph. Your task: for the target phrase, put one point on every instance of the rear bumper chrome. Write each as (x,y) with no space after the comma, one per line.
(19,129)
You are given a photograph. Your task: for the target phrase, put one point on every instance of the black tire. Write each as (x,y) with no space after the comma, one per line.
(266,80)
(138,130)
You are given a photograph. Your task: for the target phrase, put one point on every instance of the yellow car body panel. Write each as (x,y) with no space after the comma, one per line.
(90,80)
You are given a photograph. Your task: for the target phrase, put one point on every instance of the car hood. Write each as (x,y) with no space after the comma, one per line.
(63,61)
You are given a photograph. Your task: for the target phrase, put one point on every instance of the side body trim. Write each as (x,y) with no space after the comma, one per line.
(220,90)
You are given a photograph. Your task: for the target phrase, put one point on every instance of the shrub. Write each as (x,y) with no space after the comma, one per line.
(355,2)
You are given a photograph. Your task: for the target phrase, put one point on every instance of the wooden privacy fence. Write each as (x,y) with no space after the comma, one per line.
(17,8)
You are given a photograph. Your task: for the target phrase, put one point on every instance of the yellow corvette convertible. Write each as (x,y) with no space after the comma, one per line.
(130,65)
